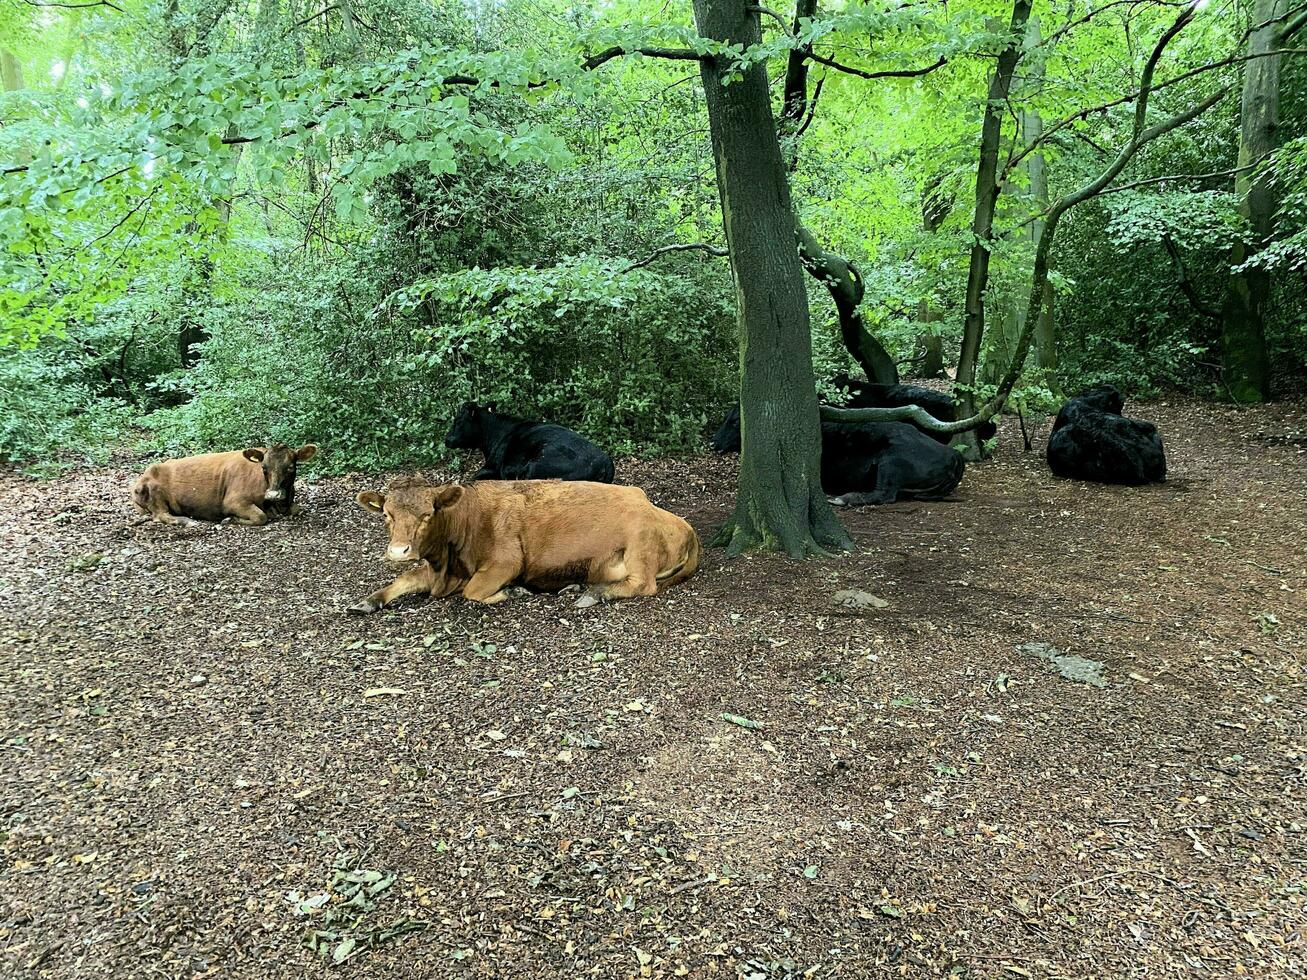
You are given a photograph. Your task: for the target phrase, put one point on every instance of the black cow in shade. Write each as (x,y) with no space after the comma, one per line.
(881,462)
(872,462)
(1091,440)
(866,394)
(516,449)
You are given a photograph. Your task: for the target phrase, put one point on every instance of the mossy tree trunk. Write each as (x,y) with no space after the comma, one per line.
(779,503)
(1245,366)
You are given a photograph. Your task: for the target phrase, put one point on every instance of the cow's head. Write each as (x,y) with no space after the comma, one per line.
(412,509)
(278,462)
(1105,398)
(465,433)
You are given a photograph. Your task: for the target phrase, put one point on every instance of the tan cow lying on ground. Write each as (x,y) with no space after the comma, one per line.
(246,485)
(544,534)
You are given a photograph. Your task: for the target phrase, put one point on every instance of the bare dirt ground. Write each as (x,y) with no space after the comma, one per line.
(206,765)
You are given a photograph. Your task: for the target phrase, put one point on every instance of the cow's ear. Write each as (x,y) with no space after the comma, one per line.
(306,452)
(254,455)
(446,497)
(373,500)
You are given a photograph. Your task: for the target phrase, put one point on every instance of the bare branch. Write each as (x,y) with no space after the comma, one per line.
(1080,21)
(1185,283)
(767,11)
(1293,25)
(1050,131)
(812,108)
(1133,185)
(617,51)
(863,73)
(75,6)
(679,247)
(311,18)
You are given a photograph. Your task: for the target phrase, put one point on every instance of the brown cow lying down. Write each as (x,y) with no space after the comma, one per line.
(246,485)
(544,534)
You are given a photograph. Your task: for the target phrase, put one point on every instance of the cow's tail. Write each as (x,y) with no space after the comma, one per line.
(686,567)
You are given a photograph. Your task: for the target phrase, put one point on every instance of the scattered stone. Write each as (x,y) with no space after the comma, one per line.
(1069,665)
(857,599)
(197,680)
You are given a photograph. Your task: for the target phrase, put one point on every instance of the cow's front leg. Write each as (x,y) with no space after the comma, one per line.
(488,584)
(166,517)
(251,515)
(885,489)
(420,578)
(863,499)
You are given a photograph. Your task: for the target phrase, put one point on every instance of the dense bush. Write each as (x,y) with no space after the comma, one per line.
(637,361)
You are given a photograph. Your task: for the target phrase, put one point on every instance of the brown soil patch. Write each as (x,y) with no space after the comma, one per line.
(559,796)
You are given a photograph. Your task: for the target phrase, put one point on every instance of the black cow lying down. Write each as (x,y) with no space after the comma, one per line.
(881,462)
(1092,441)
(516,449)
(866,394)
(872,462)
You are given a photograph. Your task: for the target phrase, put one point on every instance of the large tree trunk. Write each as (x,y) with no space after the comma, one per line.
(982,225)
(779,504)
(1245,366)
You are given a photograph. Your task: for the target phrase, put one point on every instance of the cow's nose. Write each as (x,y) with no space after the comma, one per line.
(399,552)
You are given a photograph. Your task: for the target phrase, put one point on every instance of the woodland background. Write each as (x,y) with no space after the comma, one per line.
(224,222)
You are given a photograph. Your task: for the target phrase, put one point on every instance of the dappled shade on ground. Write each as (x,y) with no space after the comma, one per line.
(196,737)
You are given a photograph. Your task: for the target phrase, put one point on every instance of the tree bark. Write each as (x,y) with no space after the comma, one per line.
(935,208)
(1032,126)
(842,279)
(982,225)
(1245,366)
(11,71)
(779,503)
(837,274)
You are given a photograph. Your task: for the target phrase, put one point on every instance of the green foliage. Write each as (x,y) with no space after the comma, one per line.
(638,361)
(361,215)
(52,413)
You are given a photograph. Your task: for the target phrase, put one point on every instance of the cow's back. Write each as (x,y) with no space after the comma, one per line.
(544,451)
(1107,448)
(197,485)
(558,529)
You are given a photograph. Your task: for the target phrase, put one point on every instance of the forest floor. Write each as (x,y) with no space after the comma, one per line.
(205,763)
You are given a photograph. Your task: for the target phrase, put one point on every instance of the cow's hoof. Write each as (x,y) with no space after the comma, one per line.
(364,608)
(566,589)
(518,592)
(837,501)
(586,601)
